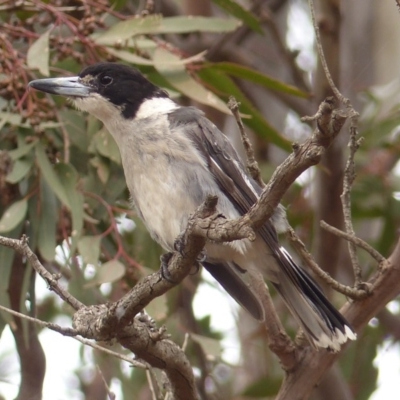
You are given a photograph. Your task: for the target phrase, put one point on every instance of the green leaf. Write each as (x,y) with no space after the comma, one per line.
(13,215)
(21,150)
(19,170)
(129,57)
(47,222)
(211,347)
(223,83)
(110,271)
(51,177)
(75,124)
(7,258)
(135,59)
(89,249)
(63,178)
(251,75)
(155,24)
(68,177)
(166,64)
(235,9)
(158,308)
(12,119)
(38,54)
(103,172)
(106,146)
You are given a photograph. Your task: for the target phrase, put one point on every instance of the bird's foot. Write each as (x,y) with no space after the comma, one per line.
(179,244)
(165,258)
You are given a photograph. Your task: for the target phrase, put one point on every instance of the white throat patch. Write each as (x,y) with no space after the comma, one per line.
(157,105)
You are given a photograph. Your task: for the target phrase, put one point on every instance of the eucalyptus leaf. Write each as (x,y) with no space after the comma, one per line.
(68,177)
(106,146)
(89,249)
(252,75)
(21,150)
(235,9)
(47,222)
(38,54)
(12,119)
(167,65)
(225,85)
(6,262)
(155,24)
(13,215)
(63,180)
(129,57)
(108,272)
(19,170)
(51,177)
(158,308)
(103,172)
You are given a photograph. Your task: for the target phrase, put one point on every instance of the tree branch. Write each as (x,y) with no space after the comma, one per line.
(385,285)
(353,293)
(22,248)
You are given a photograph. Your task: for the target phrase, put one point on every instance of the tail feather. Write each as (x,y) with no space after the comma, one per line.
(322,323)
(232,279)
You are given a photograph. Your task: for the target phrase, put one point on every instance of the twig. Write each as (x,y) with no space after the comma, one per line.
(348,179)
(252,164)
(322,58)
(70,332)
(111,395)
(122,357)
(185,341)
(353,293)
(21,247)
(65,331)
(153,385)
(349,173)
(278,340)
(357,241)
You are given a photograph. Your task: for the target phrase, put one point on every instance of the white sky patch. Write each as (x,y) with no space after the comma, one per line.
(393,306)
(212,300)
(388,362)
(300,35)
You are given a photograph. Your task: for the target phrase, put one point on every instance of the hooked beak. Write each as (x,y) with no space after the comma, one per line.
(70,87)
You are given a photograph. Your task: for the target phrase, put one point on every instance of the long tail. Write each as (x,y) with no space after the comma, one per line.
(323,325)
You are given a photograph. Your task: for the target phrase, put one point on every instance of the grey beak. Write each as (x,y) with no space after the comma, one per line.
(62,86)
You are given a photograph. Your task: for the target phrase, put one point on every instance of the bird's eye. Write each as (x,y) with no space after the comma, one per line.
(106,80)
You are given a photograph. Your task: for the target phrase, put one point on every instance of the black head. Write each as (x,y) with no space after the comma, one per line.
(122,86)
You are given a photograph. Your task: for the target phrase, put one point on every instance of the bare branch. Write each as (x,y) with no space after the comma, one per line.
(348,179)
(65,331)
(321,54)
(356,241)
(278,340)
(21,247)
(353,293)
(252,164)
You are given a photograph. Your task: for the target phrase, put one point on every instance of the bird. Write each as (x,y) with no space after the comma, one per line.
(173,157)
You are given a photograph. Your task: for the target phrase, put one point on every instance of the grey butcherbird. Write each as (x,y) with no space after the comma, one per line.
(173,157)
